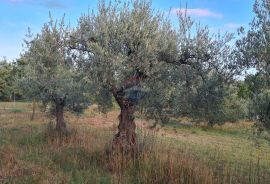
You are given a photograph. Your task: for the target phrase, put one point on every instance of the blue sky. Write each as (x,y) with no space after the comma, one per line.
(17,15)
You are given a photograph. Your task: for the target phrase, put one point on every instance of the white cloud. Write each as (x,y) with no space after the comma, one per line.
(197,12)
(233,25)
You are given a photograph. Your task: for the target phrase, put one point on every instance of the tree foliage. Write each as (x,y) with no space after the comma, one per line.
(254,51)
(8,73)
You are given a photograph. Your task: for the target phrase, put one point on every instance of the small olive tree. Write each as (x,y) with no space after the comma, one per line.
(215,101)
(207,102)
(50,75)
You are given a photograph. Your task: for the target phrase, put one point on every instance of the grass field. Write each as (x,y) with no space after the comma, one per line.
(31,152)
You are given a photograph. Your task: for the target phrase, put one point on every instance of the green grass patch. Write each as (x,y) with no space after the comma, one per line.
(90,176)
(16,110)
(32,140)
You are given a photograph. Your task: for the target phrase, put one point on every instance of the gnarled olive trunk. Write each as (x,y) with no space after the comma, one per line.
(60,122)
(125,140)
(34,110)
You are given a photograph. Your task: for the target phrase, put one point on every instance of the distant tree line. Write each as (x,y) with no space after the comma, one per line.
(9,73)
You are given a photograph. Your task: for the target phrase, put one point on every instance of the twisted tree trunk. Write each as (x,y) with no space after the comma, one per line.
(60,122)
(125,140)
(33,110)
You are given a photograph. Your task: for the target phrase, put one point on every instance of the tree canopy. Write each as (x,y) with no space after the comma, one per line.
(131,51)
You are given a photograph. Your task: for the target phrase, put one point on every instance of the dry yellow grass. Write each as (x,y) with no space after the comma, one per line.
(30,152)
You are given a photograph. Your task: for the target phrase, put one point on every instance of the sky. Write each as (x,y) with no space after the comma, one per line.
(16,16)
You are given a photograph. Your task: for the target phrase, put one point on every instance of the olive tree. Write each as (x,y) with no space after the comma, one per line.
(207,102)
(50,75)
(121,43)
(216,101)
(254,52)
(125,47)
